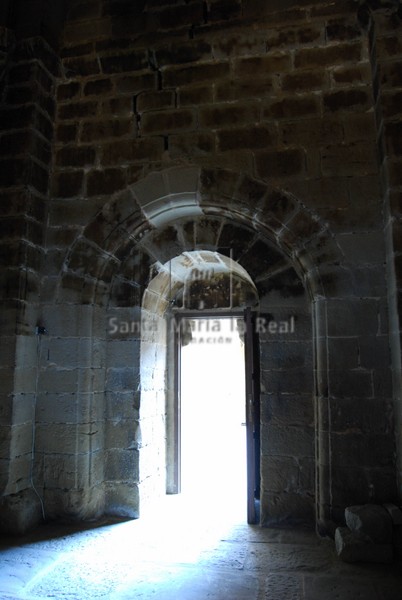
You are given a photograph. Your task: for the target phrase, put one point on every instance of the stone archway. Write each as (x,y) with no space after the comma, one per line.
(198,280)
(281,244)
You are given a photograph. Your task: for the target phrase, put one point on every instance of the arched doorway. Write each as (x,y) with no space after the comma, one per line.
(275,239)
(190,288)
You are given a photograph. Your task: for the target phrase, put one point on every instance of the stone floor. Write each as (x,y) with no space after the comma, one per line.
(174,553)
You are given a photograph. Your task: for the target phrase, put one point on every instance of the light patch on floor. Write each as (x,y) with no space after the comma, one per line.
(177,553)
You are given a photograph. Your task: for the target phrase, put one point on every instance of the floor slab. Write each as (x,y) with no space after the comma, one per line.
(172,553)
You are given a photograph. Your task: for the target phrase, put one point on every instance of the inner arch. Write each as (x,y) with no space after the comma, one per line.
(180,283)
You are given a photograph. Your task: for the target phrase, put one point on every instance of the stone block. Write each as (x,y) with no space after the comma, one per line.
(66,132)
(356,158)
(287,409)
(341,31)
(356,99)
(5,439)
(105,181)
(174,77)
(364,450)
(176,54)
(388,46)
(250,137)
(306,81)
(122,465)
(7,411)
(287,508)
(124,63)
(56,380)
(295,380)
(20,512)
(117,107)
(133,84)
(311,133)
(67,471)
(122,433)
(78,110)
(76,50)
(75,156)
(348,52)
(23,407)
(191,144)
(393,136)
(128,151)
(101,130)
(222,10)
(68,91)
(124,379)
(261,66)
(351,317)
(394,512)
(351,75)
(292,107)
(97,87)
(280,163)
(370,522)
(351,383)
(368,415)
(174,17)
(351,548)
(57,408)
(391,103)
(280,474)
(68,184)
(167,121)
(391,73)
(122,499)
(80,31)
(280,354)
(395,170)
(123,353)
(241,89)
(195,95)
(155,100)
(287,441)
(363,248)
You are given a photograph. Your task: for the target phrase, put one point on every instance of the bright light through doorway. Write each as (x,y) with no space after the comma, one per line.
(213,432)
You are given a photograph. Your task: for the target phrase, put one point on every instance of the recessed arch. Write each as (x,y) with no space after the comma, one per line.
(148,219)
(179,194)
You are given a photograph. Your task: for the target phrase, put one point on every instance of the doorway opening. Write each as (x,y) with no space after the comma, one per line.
(213,416)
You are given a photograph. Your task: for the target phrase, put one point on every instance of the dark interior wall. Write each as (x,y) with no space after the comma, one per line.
(289,114)
(27,116)
(385,45)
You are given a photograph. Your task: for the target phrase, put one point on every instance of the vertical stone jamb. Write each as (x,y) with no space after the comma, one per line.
(26,117)
(383,20)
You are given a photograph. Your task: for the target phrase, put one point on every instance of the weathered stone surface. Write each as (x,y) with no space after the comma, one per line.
(20,512)
(351,548)
(281,121)
(395,513)
(371,522)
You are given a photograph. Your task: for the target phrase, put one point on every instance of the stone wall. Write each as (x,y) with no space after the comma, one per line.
(27,117)
(386,43)
(266,129)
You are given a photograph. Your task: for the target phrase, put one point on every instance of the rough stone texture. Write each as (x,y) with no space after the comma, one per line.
(352,548)
(135,132)
(371,522)
(395,513)
(20,512)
